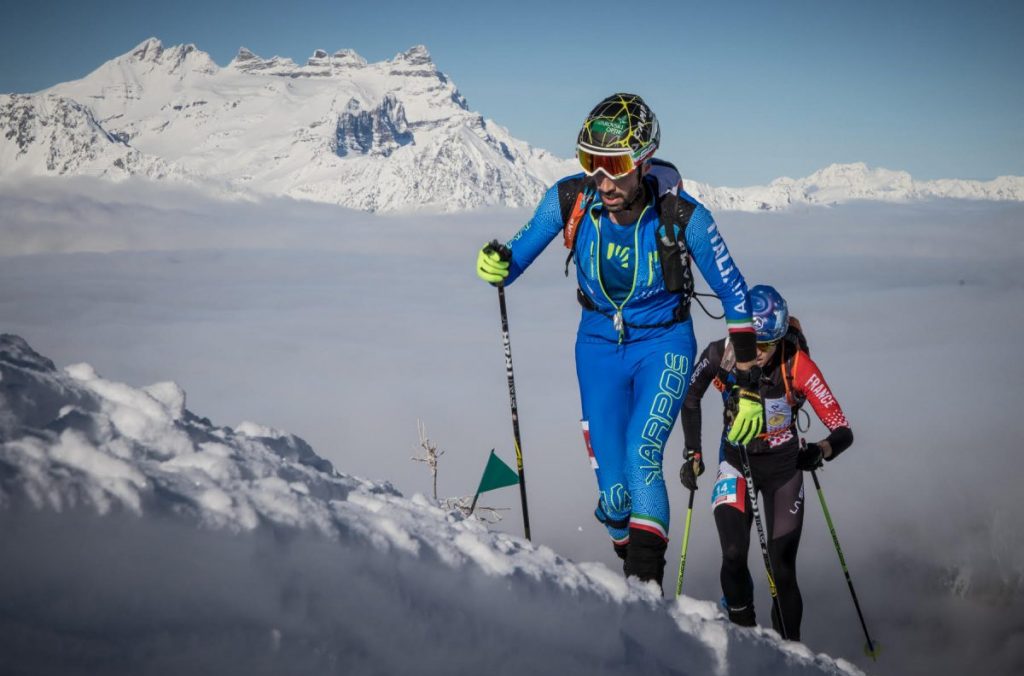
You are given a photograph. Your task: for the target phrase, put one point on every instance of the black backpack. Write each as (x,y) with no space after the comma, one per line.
(577,194)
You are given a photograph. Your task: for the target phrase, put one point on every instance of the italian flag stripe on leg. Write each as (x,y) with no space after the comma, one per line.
(649,524)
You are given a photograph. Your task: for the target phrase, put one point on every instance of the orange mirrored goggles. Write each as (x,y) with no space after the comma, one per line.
(615,166)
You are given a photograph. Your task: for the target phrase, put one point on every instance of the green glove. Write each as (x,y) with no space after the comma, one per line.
(749,418)
(492,262)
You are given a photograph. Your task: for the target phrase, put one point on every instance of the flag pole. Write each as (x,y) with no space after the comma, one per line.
(496,475)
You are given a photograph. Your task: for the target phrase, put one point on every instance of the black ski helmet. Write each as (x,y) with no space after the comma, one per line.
(621,121)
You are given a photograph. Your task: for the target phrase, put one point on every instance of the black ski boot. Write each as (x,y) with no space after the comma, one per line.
(645,557)
(742,615)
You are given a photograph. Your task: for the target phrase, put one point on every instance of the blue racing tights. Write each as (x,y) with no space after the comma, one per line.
(631,394)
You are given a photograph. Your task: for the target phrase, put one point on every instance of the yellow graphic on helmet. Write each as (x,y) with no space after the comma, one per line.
(621,121)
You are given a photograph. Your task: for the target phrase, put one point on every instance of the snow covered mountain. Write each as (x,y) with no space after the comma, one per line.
(382,136)
(387,136)
(142,538)
(839,183)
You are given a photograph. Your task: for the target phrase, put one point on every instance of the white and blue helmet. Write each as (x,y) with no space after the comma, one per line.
(770,313)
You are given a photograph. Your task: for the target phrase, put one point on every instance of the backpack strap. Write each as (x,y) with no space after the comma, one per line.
(795,340)
(787,375)
(575,195)
(667,176)
(674,215)
(679,315)
(795,333)
(574,198)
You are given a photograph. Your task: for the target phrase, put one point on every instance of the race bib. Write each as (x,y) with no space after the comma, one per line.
(729,490)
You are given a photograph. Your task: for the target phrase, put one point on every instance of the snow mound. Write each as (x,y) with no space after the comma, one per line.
(142,537)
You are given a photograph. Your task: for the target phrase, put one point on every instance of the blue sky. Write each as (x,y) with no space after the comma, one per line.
(746,91)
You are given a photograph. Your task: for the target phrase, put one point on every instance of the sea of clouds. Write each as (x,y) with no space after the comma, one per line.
(346,329)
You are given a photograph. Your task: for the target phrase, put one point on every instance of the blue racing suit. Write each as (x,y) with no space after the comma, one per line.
(633,361)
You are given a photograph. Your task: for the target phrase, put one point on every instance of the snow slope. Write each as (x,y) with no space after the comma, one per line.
(140,537)
(58,136)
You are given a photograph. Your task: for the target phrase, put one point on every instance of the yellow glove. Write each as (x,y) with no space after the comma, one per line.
(749,420)
(492,262)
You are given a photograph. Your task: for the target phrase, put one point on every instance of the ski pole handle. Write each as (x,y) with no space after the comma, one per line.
(494,246)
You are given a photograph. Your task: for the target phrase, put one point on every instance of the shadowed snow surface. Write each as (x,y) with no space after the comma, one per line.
(141,538)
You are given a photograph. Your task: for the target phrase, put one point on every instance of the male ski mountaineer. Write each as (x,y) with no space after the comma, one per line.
(632,231)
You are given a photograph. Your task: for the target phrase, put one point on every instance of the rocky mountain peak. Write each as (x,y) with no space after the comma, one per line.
(343,58)
(347,57)
(245,54)
(148,50)
(179,58)
(248,61)
(415,60)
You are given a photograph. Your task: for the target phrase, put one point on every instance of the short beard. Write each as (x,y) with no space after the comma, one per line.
(628,204)
(615,210)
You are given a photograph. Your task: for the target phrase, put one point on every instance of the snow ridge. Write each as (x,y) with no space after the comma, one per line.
(74,444)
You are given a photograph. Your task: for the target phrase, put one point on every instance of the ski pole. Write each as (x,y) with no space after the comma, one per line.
(752,494)
(505,254)
(686,542)
(870,649)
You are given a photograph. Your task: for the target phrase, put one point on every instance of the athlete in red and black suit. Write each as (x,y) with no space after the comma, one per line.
(788,378)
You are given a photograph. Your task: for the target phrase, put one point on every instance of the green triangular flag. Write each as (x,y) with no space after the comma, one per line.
(496,475)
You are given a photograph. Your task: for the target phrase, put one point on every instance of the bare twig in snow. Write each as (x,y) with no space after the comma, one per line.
(430,453)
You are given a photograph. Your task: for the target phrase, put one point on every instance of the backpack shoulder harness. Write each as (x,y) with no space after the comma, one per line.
(575,197)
